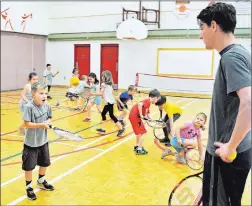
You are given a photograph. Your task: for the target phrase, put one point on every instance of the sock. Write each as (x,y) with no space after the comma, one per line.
(41,179)
(28,184)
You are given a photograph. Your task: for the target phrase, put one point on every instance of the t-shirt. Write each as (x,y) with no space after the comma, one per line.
(125,97)
(134,112)
(108,93)
(234,73)
(190,131)
(172,109)
(36,137)
(48,75)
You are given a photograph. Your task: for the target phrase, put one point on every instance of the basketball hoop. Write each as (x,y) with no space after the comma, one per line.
(182,10)
(132,29)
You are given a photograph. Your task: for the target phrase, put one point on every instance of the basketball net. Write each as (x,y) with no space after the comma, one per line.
(182,10)
(132,29)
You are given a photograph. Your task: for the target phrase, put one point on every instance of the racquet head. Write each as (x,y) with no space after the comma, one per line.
(187,192)
(157,124)
(66,134)
(193,159)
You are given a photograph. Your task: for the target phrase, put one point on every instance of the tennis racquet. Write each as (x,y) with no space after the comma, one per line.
(85,93)
(188,191)
(66,134)
(193,159)
(155,123)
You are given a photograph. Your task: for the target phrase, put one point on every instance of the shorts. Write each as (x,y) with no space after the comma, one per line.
(98,100)
(120,108)
(137,125)
(33,156)
(176,146)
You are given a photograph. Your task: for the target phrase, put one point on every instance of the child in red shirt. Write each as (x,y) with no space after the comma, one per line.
(136,114)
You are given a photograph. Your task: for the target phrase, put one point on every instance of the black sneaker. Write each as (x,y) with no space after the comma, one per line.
(168,144)
(120,132)
(122,122)
(45,186)
(30,194)
(165,140)
(141,152)
(101,130)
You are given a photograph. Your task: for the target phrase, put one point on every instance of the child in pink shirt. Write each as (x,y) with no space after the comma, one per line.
(187,136)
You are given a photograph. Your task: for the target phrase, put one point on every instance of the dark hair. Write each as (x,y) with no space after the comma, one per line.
(32,74)
(74,70)
(93,75)
(223,14)
(48,65)
(154,93)
(161,100)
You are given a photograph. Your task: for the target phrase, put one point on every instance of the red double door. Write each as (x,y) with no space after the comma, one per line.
(109,60)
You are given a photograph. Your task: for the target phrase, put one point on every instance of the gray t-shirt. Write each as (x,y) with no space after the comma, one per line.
(234,73)
(36,114)
(48,75)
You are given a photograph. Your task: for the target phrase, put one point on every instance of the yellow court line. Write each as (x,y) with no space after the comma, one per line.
(81,165)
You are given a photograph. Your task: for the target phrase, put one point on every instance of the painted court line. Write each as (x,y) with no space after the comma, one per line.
(80,165)
(76,168)
(58,158)
(54,160)
(71,145)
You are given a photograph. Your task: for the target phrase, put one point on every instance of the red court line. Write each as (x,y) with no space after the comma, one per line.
(65,153)
(52,121)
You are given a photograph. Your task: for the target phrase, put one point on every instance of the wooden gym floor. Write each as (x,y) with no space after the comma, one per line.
(101,170)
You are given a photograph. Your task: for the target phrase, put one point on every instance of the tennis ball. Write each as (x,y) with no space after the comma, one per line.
(232,156)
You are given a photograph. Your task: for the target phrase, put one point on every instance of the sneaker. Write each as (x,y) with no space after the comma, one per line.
(120,132)
(141,152)
(168,144)
(30,194)
(135,148)
(165,140)
(45,186)
(101,130)
(166,153)
(180,159)
(122,122)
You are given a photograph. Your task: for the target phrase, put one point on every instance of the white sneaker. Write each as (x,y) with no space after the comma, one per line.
(180,159)
(166,153)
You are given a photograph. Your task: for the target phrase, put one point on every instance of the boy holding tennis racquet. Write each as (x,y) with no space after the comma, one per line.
(187,136)
(37,116)
(173,113)
(122,102)
(138,112)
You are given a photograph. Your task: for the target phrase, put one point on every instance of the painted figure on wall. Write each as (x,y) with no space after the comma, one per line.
(25,17)
(5,15)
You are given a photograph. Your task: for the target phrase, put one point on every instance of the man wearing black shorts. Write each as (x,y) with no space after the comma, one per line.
(230,119)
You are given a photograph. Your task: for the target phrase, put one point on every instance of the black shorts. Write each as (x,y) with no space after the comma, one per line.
(120,108)
(33,156)
(228,181)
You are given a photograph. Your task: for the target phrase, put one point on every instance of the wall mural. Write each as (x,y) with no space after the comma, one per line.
(6,17)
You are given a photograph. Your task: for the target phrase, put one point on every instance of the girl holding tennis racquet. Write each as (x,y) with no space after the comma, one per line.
(187,136)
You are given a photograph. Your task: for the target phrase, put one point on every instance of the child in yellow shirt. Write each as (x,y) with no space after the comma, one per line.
(173,112)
